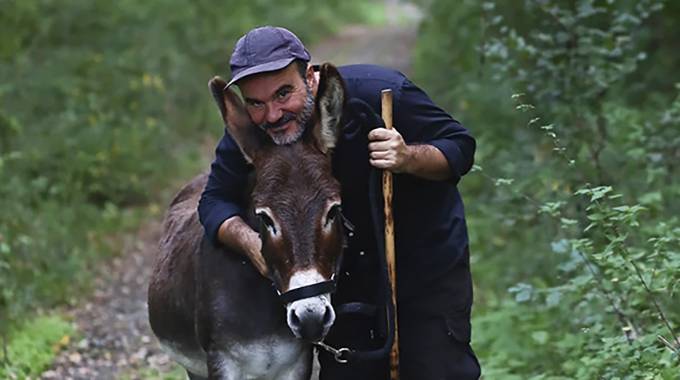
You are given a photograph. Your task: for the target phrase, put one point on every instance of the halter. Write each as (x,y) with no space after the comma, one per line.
(308,291)
(322,287)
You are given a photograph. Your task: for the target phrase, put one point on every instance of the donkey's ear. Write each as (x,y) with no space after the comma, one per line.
(236,119)
(330,101)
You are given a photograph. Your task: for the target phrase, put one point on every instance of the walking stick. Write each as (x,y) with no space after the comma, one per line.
(386,98)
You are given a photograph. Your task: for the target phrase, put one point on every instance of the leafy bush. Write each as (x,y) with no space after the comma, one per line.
(571,206)
(32,348)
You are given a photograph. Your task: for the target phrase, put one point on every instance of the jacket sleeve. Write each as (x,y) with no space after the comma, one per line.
(223,195)
(419,120)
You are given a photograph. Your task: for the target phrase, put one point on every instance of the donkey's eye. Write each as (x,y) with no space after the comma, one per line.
(267,222)
(333,214)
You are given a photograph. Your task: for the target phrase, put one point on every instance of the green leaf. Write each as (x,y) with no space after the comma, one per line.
(568,222)
(553,298)
(650,198)
(524,107)
(560,246)
(503,181)
(522,292)
(540,337)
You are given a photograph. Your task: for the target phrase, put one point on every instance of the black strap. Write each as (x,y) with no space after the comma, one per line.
(365,309)
(386,310)
(375,196)
(308,291)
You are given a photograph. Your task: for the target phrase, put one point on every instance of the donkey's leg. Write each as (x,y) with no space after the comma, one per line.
(223,367)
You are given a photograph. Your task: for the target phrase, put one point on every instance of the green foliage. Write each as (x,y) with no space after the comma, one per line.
(573,204)
(32,347)
(102,106)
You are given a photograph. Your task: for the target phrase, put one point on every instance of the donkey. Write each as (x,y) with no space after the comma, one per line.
(210,309)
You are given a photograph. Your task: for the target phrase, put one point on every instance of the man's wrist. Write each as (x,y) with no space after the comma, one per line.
(410,157)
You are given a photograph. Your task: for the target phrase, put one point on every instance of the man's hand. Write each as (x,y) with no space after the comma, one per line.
(388,151)
(236,234)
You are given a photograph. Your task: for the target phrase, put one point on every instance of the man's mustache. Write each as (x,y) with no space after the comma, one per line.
(288,116)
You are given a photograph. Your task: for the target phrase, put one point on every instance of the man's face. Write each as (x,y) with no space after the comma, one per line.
(280,102)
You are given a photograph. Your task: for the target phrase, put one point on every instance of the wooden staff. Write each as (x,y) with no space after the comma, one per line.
(386,98)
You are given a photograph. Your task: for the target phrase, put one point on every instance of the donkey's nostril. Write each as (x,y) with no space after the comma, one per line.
(294,319)
(328,316)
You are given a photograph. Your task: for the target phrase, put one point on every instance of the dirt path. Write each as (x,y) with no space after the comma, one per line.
(388,45)
(116,340)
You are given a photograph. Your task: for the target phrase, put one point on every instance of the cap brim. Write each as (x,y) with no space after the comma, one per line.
(263,68)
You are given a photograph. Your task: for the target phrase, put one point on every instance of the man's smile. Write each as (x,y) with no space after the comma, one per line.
(281,128)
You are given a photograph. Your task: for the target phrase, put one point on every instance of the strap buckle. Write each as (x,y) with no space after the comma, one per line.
(337,353)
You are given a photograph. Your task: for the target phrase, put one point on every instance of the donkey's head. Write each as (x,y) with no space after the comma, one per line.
(297,201)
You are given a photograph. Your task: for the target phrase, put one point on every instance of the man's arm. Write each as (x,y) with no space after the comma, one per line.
(426,142)
(389,151)
(220,209)
(236,234)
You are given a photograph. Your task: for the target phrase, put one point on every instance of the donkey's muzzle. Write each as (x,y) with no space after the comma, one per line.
(311,320)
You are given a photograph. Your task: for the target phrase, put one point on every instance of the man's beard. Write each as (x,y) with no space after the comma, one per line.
(301,119)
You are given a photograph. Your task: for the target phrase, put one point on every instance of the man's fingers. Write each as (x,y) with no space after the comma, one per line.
(260,264)
(381,155)
(386,149)
(382,146)
(382,134)
(262,268)
(382,164)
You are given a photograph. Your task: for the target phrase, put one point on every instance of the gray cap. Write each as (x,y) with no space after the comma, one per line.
(263,49)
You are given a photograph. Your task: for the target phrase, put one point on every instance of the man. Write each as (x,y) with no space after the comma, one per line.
(428,151)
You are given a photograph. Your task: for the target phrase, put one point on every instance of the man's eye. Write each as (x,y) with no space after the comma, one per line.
(256,104)
(283,94)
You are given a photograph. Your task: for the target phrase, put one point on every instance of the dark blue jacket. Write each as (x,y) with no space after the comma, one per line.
(430,230)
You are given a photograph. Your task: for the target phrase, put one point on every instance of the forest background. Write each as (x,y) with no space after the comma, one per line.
(572,204)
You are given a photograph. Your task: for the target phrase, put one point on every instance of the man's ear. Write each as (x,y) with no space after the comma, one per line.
(330,102)
(248,137)
(310,76)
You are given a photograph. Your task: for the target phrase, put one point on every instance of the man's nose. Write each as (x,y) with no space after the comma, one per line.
(274,113)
